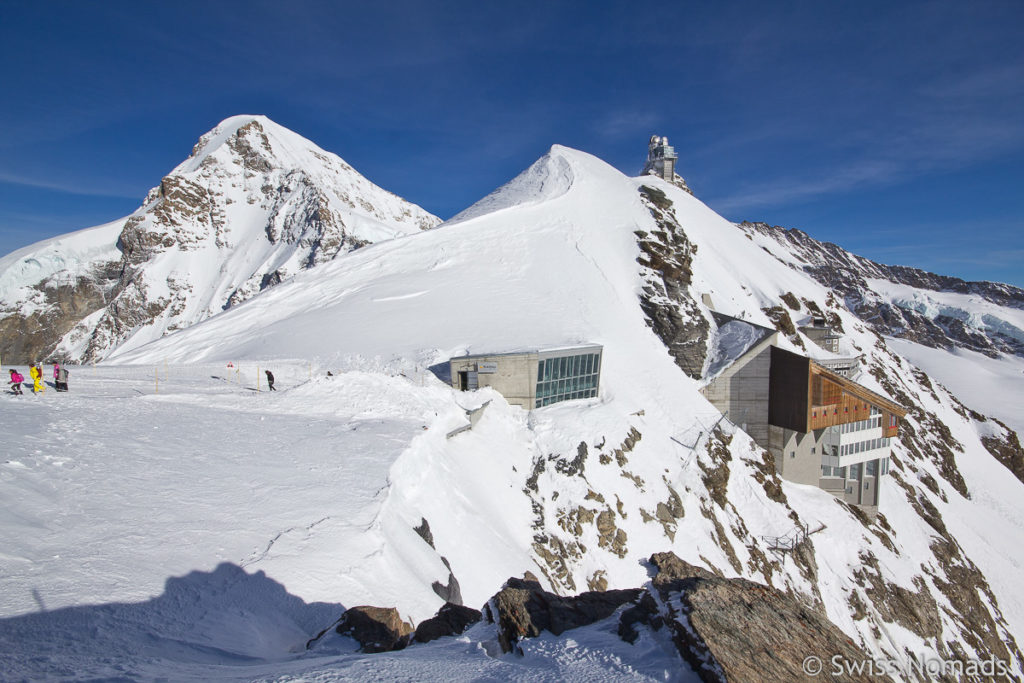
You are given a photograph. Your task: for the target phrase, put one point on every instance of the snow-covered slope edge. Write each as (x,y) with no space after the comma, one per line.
(611,481)
(252,205)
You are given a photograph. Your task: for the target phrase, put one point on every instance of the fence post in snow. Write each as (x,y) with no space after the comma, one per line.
(257,379)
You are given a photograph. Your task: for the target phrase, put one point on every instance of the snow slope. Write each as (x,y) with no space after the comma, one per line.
(995,386)
(319,486)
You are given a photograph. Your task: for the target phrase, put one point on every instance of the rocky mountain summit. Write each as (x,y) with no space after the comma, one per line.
(253,205)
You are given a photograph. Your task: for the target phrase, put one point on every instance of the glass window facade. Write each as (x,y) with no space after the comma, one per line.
(567,377)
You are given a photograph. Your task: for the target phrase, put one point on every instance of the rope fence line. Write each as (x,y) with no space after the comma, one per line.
(249,375)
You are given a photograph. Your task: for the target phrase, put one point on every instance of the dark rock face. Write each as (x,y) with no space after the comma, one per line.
(522,609)
(666,257)
(670,567)
(450,592)
(451,620)
(377,629)
(737,630)
(31,338)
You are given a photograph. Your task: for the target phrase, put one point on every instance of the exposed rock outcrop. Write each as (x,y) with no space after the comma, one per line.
(737,630)
(936,325)
(1004,445)
(522,609)
(377,629)
(450,620)
(671,310)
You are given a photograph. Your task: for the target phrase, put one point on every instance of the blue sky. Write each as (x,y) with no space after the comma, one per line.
(893,129)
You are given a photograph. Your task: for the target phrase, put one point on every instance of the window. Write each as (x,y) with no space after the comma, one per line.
(566,378)
(792,454)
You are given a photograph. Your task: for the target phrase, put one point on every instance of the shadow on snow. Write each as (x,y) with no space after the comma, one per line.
(226,617)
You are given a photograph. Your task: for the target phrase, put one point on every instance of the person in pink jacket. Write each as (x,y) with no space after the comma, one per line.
(16,379)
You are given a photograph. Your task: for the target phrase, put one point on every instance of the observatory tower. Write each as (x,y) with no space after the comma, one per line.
(661,159)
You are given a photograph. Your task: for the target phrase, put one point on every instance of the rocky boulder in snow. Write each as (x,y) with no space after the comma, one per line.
(376,629)
(522,609)
(450,620)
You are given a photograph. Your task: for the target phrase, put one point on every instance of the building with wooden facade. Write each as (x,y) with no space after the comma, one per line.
(822,428)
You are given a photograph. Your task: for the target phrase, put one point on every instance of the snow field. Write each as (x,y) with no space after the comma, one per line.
(209,528)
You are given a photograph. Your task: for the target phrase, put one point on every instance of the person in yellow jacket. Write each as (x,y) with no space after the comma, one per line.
(37,379)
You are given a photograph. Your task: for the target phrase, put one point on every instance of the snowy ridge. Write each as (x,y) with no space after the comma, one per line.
(547,178)
(934,310)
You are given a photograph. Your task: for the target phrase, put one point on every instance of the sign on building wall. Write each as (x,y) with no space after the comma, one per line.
(485,367)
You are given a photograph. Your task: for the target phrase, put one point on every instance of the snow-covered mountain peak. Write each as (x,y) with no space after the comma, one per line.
(258,143)
(254,204)
(546,179)
(211,141)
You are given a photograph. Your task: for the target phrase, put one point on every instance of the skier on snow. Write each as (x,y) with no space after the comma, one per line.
(270,380)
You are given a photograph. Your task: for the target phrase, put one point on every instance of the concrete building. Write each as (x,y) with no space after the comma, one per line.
(822,428)
(818,331)
(661,159)
(532,379)
(822,334)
